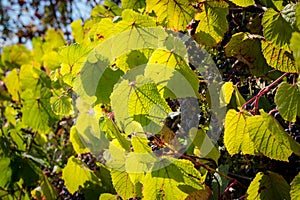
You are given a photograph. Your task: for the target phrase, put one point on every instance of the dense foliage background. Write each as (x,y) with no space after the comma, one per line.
(73,124)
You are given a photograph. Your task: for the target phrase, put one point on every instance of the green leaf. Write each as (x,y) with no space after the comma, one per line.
(226,93)
(96,79)
(276,28)
(168,69)
(122,184)
(107,196)
(62,104)
(279,58)
(77,144)
(204,146)
(51,60)
(132,19)
(87,125)
(77,30)
(295,188)
(133,59)
(107,9)
(48,191)
(269,137)
(13,85)
(171,179)
(6,172)
(243,3)
(138,106)
(175,14)
(76,174)
(36,110)
(298,16)
(133,4)
(247,49)
(236,137)
(15,56)
(295,47)
(111,130)
(54,40)
(287,100)
(268,186)
(213,23)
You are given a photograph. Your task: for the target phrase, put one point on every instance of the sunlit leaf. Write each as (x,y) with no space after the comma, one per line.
(247,49)
(213,23)
(295,47)
(295,188)
(269,137)
(139,102)
(287,100)
(175,14)
(171,179)
(243,3)
(133,4)
(277,29)
(15,56)
(5,175)
(76,174)
(226,93)
(279,58)
(77,144)
(236,137)
(268,185)
(13,85)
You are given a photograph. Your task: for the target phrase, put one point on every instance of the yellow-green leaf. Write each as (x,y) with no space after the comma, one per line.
(236,137)
(295,188)
(213,23)
(287,100)
(268,185)
(176,14)
(269,137)
(243,3)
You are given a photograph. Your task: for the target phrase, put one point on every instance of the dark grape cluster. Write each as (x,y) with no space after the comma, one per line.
(89,160)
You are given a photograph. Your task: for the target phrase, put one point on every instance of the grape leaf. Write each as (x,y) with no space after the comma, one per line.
(15,56)
(77,144)
(171,179)
(243,3)
(287,100)
(279,58)
(236,137)
(107,9)
(133,4)
(61,104)
(277,29)
(133,59)
(77,30)
(132,19)
(36,110)
(54,40)
(51,60)
(175,14)
(168,70)
(204,146)
(298,16)
(247,49)
(107,196)
(295,188)
(5,175)
(13,85)
(268,185)
(226,93)
(122,184)
(213,23)
(295,47)
(88,129)
(269,137)
(111,130)
(138,101)
(76,174)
